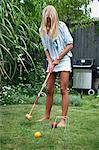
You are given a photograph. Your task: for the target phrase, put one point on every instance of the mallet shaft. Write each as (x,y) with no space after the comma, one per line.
(39,93)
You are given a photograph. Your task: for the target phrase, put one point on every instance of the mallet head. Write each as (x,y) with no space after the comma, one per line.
(28,116)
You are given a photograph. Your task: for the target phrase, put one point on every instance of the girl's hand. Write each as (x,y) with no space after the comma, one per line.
(56,62)
(50,67)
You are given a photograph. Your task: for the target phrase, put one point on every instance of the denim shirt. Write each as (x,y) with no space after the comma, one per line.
(56,46)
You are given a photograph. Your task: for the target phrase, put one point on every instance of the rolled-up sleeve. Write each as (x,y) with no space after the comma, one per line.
(67,36)
(43,40)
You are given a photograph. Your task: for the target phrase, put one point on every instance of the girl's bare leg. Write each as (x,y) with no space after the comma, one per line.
(64,78)
(49,97)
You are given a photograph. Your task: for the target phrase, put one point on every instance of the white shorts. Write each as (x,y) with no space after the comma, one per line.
(64,65)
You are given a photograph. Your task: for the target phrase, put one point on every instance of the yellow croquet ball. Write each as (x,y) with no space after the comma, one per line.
(37,134)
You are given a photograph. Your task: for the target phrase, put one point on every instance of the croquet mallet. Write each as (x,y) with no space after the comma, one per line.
(29,115)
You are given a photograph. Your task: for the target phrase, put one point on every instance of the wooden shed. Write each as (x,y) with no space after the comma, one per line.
(86,43)
(86,46)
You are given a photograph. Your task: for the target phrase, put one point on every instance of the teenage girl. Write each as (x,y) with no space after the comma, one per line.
(57,42)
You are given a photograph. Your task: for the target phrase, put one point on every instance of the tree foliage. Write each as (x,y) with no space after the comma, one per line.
(69,11)
(18,41)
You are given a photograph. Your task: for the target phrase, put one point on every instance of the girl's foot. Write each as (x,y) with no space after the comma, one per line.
(44,118)
(62,123)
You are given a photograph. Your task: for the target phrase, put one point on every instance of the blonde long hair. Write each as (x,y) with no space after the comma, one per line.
(50,12)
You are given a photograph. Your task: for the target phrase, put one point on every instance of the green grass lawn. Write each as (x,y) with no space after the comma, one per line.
(82,130)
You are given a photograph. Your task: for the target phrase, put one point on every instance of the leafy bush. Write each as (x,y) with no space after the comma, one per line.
(20,94)
(12,95)
(75,100)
